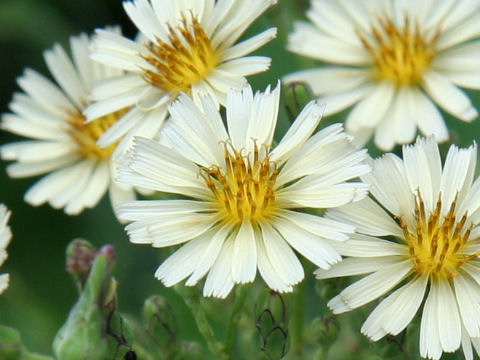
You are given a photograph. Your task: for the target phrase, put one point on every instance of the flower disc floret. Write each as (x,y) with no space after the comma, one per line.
(186,59)
(245,188)
(436,244)
(400,55)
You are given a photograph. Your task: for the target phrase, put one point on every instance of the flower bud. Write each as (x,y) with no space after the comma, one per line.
(272,324)
(297,95)
(160,321)
(83,335)
(325,329)
(80,254)
(10,343)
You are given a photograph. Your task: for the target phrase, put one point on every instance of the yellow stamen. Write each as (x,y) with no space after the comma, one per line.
(183,61)
(245,188)
(86,135)
(436,242)
(399,55)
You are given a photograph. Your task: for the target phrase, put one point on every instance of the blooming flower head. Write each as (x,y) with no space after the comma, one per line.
(188,46)
(393,61)
(62,144)
(419,232)
(5,237)
(240,196)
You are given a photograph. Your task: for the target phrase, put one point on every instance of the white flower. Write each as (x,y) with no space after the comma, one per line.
(419,232)
(62,144)
(5,237)
(189,46)
(239,196)
(393,61)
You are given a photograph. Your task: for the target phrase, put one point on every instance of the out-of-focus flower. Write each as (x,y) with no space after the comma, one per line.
(188,46)
(5,237)
(62,144)
(433,215)
(239,194)
(392,60)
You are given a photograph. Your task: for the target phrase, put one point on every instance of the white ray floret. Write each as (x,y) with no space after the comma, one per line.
(5,237)
(420,233)
(393,62)
(243,196)
(184,46)
(61,145)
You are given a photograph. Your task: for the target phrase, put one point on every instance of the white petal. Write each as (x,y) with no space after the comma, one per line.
(329,80)
(457,174)
(448,96)
(210,254)
(298,132)
(467,294)
(281,257)
(320,226)
(308,41)
(370,110)
(367,217)
(66,75)
(367,246)
(244,262)
(428,117)
(169,230)
(429,331)
(219,280)
(395,312)
(355,266)
(4,281)
(314,248)
(424,170)
(375,285)
(247,46)
(449,326)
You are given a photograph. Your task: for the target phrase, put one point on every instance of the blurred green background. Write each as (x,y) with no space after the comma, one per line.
(41,292)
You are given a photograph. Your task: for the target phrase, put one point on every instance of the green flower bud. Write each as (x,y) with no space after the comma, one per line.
(10,343)
(11,347)
(191,351)
(80,254)
(160,321)
(84,334)
(325,330)
(272,324)
(297,95)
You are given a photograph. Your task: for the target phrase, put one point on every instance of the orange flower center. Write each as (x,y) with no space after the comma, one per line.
(245,188)
(183,61)
(86,135)
(399,55)
(437,242)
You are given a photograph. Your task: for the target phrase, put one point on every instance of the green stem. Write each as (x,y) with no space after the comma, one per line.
(192,300)
(240,296)
(297,319)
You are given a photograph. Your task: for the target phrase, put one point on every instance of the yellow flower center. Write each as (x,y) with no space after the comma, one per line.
(245,188)
(86,135)
(436,242)
(399,55)
(188,58)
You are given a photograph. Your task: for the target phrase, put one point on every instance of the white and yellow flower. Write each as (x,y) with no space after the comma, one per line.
(240,196)
(393,61)
(62,144)
(5,237)
(188,46)
(417,238)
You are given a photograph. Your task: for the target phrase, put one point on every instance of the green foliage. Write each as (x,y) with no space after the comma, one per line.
(11,347)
